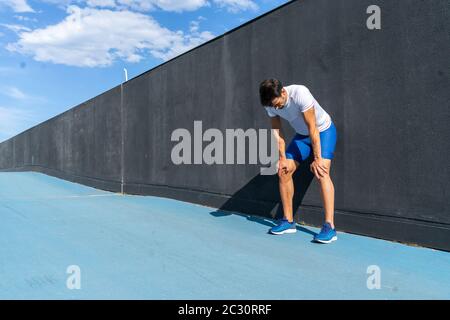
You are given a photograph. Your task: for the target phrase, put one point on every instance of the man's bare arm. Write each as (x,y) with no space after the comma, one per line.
(317,167)
(310,120)
(278,132)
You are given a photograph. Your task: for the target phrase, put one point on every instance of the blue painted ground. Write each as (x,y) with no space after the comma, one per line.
(136,247)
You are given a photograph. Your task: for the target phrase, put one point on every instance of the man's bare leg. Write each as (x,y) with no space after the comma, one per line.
(286,185)
(327,194)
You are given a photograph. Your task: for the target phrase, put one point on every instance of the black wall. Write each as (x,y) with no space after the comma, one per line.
(388,92)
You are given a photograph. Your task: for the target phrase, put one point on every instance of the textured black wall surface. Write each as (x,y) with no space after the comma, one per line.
(82,144)
(388,92)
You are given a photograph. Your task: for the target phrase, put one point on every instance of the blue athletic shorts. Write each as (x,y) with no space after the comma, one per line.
(300,147)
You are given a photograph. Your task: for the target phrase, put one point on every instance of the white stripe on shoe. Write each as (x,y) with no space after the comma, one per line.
(284,231)
(327,241)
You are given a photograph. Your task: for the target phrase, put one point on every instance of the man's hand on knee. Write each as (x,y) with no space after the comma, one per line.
(283,166)
(320,168)
(286,167)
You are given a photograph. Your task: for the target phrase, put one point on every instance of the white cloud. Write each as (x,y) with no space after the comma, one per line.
(15,120)
(194,26)
(15,27)
(17,94)
(183,46)
(17,5)
(101,3)
(90,37)
(235,6)
(23,18)
(63,4)
(166,5)
(13,92)
(136,5)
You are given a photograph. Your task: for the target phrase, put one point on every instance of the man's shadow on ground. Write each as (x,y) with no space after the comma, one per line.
(259,200)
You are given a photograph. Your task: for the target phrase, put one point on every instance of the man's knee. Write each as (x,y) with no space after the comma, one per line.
(325,176)
(286,174)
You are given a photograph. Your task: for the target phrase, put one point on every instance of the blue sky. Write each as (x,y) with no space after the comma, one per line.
(55,54)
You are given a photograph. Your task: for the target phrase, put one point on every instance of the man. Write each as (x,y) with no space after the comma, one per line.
(315,135)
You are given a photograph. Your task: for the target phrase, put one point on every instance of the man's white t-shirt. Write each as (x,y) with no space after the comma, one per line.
(301,100)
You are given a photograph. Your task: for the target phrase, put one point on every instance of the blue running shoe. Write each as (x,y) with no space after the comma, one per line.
(283,226)
(326,235)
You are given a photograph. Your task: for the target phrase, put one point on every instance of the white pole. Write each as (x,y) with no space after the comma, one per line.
(122,133)
(126,74)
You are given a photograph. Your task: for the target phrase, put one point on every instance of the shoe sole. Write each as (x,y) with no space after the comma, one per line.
(283,232)
(327,241)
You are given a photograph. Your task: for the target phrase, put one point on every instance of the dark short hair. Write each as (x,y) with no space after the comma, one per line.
(269,89)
